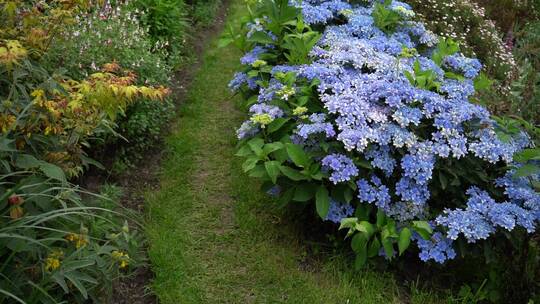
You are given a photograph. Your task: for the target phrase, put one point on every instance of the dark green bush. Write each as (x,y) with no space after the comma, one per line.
(204,11)
(58,242)
(142,127)
(118,35)
(101,37)
(167,24)
(509,13)
(56,246)
(525,95)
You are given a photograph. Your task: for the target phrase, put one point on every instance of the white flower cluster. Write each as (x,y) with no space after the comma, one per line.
(111,33)
(465,21)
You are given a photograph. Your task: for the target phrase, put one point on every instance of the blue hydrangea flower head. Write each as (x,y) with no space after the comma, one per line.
(341,168)
(338,211)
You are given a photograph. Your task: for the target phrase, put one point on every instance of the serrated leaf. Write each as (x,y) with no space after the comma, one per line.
(52,171)
(291,173)
(527,170)
(276,124)
(261,37)
(298,155)
(272,169)
(348,222)
(404,239)
(249,164)
(388,247)
(322,201)
(26,161)
(359,242)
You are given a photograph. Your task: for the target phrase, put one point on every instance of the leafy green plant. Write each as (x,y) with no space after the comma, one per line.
(299,44)
(204,11)
(141,127)
(424,79)
(385,18)
(57,246)
(88,45)
(167,23)
(527,161)
(280,15)
(104,36)
(58,243)
(445,47)
(368,235)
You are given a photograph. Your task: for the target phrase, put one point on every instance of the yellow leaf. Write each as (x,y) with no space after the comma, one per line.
(131,91)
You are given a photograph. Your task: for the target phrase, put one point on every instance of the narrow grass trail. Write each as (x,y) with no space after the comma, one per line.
(213,238)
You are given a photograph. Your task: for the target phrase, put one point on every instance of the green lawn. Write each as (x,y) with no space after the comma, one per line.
(213,238)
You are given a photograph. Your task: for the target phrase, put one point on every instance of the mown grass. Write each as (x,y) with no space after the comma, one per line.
(214,238)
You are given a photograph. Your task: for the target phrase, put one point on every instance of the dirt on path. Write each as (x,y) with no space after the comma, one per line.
(145,177)
(214,236)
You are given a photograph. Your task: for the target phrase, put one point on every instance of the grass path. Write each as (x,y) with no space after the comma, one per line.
(212,237)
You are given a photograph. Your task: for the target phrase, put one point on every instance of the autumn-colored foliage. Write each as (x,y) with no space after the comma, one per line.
(58,112)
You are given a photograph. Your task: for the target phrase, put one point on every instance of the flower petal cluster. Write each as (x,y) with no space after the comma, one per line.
(341,167)
(374,192)
(483,215)
(469,67)
(338,211)
(318,125)
(381,158)
(253,55)
(438,248)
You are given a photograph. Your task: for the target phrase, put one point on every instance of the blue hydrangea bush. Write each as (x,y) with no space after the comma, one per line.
(358,108)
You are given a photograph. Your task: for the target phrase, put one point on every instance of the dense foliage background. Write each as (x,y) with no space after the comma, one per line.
(78,79)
